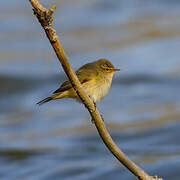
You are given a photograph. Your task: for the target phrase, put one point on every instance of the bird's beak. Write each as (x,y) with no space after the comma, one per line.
(116,69)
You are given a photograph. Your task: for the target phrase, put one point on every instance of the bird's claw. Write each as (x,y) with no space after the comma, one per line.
(102,117)
(92,120)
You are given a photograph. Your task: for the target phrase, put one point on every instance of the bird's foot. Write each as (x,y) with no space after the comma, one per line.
(102,117)
(94,106)
(92,120)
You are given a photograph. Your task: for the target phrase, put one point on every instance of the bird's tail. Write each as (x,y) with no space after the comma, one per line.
(44,100)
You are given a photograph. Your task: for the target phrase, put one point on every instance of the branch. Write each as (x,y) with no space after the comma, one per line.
(45,19)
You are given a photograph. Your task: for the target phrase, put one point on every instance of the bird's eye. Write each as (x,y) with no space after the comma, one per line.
(105,68)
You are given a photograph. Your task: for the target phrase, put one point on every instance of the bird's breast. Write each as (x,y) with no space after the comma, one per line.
(98,88)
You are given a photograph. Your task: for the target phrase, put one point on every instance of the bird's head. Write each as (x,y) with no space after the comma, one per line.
(106,66)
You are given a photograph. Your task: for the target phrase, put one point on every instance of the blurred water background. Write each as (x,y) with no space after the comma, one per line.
(57,141)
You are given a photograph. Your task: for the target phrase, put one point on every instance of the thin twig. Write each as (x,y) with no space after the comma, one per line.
(45,19)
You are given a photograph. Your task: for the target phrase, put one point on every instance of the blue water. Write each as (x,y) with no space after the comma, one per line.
(141,111)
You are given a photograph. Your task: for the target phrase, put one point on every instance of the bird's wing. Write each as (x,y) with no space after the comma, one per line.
(87,76)
(65,86)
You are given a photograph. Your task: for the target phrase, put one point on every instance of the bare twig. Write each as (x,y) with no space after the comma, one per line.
(45,19)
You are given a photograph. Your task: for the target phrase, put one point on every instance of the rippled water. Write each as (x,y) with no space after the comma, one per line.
(142,110)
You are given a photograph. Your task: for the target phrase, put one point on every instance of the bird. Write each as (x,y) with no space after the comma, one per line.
(95,78)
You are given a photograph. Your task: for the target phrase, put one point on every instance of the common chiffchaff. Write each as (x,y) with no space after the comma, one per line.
(95,78)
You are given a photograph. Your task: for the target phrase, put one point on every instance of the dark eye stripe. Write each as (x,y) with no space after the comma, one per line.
(109,65)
